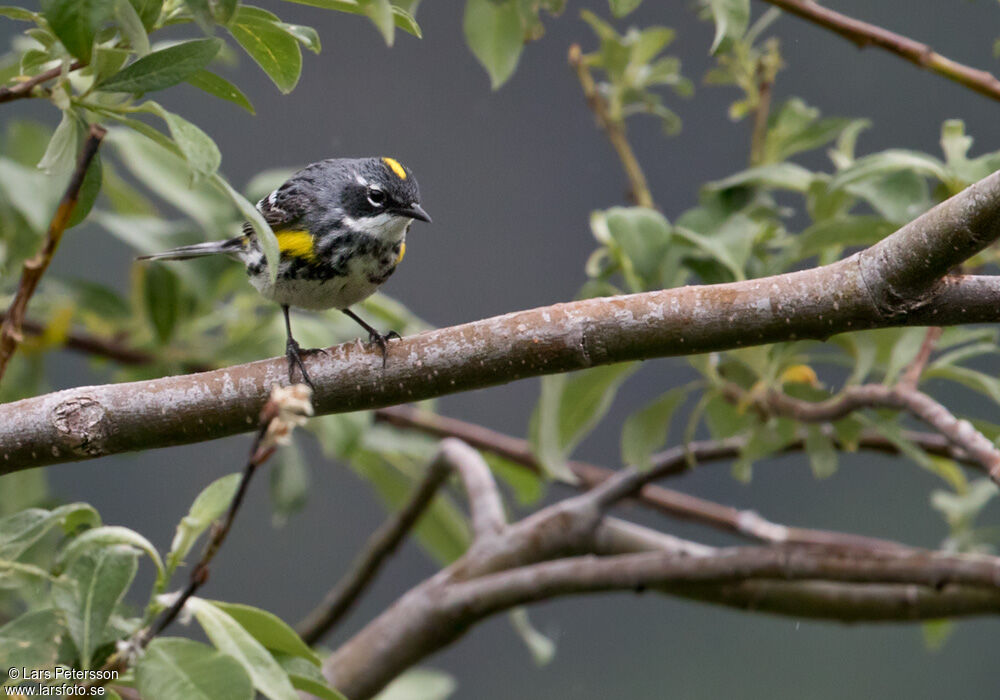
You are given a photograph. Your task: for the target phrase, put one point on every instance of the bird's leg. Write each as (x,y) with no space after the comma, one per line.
(373,335)
(294,353)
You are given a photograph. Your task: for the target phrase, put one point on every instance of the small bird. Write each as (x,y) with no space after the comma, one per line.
(341,226)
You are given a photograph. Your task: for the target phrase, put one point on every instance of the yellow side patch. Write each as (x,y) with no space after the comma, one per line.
(296,244)
(402,252)
(395,167)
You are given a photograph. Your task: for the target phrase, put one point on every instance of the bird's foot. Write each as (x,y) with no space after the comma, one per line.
(382,341)
(294,354)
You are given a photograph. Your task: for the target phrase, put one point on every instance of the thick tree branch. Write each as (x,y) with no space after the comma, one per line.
(34,268)
(864,34)
(896,282)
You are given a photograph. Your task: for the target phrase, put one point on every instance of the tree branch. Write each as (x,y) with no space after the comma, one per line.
(675,504)
(895,282)
(960,433)
(864,34)
(614,129)
(34,268)
(286,408)
(487,520)
(23,89)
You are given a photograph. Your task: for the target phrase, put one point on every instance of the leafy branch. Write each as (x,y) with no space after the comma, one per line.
(34,269)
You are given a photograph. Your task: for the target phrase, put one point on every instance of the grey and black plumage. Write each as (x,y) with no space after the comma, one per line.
(341,226)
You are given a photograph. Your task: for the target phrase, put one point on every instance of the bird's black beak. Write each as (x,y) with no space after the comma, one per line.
(414,211)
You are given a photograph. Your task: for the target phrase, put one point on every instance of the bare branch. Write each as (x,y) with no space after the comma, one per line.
(614,129)
(34,268)
(382,543)
(674,461)
(488,594)
(960,433)
(864,34)
(911,377)
(896,282)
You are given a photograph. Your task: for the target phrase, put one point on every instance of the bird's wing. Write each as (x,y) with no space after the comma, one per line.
(281,209)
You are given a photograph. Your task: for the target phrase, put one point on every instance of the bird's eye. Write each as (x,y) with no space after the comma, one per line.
(376,196)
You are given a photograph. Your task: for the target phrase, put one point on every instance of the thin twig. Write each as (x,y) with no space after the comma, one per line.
(758,135)
(864,34)
(34,268)
(287,407)
(23,89)
(961,433)
(911,377)
(613,128)
(382,543)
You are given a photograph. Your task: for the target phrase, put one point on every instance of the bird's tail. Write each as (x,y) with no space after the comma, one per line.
(198,250)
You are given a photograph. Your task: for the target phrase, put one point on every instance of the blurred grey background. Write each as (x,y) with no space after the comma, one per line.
(510,178)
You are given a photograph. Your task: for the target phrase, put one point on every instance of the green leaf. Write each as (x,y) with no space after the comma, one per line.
(18,13)
(782,176)
(715,248)
(903,352)
(265,236)
(230,638)
(899,196)
(90,590)
(977,381)
(822,453)
(541,648)
(764,440)
(289,483)
(886,162)
(89,189)
(419,684)
(197,147)
(403,17)
(646,430)
(380,13)
(210,504)
(620,8)
(106,536)
(179,669)
(494,32)
(273,48)
(201,10)
(268,629)
(224,10)
(731,20)
(76,22)
(307,677)
(60,155)
(220,87)
(18,532)
(164,68)
(161,295)
(569,407)
(307,36)
(31,640)
(148,11)
(131,26)
(638,239)
(936,633)
(841,231)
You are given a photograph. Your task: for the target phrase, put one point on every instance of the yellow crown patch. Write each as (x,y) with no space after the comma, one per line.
(395,167)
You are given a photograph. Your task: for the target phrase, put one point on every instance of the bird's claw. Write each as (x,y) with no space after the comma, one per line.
(294,354)
(383,342)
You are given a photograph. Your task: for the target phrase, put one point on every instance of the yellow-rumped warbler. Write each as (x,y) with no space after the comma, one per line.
(341,227)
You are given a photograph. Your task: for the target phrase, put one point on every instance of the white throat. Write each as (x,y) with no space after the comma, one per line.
(389,228)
